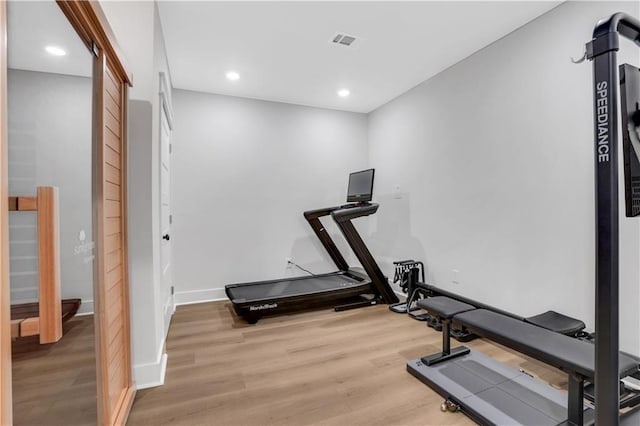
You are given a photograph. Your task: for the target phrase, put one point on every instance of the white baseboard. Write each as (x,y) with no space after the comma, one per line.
(199,296)
(151,374)
(86,308)
(402,296)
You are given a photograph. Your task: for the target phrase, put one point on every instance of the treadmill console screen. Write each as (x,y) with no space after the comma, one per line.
(630,100)
(360,186)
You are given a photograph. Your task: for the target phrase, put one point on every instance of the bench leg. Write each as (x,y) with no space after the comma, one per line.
(446,337)
(446,353)
(575,409)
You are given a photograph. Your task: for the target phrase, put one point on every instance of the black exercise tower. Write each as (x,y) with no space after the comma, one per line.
(602,51)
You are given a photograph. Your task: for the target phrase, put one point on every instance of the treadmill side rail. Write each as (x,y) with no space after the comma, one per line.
(313,218)
(343,219)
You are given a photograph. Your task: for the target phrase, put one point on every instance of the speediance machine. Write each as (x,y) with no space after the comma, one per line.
(493,393)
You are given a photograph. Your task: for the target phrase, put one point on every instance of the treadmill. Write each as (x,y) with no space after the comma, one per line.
(345,289)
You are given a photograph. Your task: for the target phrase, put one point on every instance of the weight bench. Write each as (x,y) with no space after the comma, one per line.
(481,382)
(550,320)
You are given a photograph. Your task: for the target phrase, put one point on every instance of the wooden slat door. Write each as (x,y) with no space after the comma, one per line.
(115,387)
(116,390)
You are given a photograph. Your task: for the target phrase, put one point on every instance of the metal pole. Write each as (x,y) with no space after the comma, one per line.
(605,86)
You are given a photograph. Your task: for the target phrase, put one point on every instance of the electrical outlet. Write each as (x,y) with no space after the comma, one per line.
(455,276)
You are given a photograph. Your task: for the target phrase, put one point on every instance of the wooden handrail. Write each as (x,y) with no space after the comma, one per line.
(49,323)
(23,204)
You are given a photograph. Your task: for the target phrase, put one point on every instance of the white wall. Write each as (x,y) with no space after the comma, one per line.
(244,171)
(486,168)
(137,27)
(493,163)
(50,141)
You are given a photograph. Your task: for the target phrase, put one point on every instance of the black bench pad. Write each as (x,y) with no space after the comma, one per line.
(444,307)
(551,320)
(558,350)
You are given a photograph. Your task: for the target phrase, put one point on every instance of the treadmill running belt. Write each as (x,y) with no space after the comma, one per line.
(268,290)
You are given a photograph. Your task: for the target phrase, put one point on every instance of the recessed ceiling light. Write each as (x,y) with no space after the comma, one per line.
(343,93)
(55,51)
(232,75)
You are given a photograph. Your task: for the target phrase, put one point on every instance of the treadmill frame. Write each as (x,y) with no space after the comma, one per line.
(372,283)
(343,219)
(253,309)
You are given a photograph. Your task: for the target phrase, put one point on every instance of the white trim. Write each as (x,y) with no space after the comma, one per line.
(199,296)
(86,308)
(151,374)
(165,99)
(166,113)
(402,296)
(169,309)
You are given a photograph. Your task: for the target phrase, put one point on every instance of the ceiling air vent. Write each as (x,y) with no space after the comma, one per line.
(343,39)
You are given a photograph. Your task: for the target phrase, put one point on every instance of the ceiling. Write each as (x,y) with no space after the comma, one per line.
(283,50)
(33,25)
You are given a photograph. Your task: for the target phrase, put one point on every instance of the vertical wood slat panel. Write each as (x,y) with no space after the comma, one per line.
(113,142)
(6,415)
(116,381)
(112,226)
(99,226)
(126,399)
(49,265)
(112,191)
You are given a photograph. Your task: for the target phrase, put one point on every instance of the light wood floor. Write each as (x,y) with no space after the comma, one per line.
(322,367)
(56,384)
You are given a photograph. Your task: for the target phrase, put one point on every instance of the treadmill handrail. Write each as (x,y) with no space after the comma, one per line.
(353,212)
(315,213)
(343,218)
(313,218)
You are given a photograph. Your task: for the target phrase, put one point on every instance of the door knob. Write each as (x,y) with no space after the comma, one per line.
(166,237)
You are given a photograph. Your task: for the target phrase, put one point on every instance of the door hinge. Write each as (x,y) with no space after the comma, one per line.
(173,290)
(170,219)
(170,148)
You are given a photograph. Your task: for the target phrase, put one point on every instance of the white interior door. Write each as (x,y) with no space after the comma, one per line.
(165,211)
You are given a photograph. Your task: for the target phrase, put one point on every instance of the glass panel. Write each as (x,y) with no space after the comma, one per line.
(50,144)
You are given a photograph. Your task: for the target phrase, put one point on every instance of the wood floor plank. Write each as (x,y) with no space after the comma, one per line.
(320,368)
(55,384)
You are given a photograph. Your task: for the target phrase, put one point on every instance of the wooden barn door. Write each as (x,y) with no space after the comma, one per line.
(116,389)
(111,298)
(115,382)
